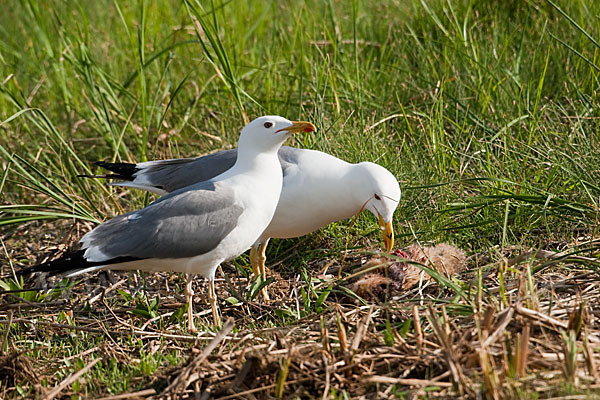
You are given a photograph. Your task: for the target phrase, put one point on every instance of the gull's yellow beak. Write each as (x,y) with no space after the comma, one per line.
(388,234)
(299,126)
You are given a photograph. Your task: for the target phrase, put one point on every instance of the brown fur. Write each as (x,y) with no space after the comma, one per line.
(371,286)
(444,258)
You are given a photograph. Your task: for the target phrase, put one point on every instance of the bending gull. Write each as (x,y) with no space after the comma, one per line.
(195,228)
(318,189)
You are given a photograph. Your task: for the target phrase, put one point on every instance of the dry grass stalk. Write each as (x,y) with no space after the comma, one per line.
(137,395)
(547,320)
(417,322)
(325,337)
(488,318)
(283,373)
(490,379)
(445,341)
(363,325)
(569,356)
(186,376)
(407,382)
(341,331)
(577,319)
(69,380)
(523,351)
(8,326)
(589,357)
(500,329)
(327,386)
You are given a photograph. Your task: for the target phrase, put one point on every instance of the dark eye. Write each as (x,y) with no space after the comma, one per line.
(377,197)
(268,125)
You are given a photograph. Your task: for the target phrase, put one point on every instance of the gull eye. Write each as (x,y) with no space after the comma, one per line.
(268,125)
(377,197)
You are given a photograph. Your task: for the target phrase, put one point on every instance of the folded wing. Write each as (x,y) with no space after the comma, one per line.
(186,223)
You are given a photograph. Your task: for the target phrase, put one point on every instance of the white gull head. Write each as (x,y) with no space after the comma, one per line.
(268,133)
(382,194)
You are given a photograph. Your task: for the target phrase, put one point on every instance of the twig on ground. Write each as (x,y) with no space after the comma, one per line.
(499,331)
(5,340)
(185,377)
(406,382)
(140,394)
(70,379)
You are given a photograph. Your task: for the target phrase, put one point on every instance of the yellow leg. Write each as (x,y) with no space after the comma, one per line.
(261,258)
(189,298)
(212,297)
(254,261)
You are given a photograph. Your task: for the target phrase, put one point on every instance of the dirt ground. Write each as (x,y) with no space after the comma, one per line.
(524,326)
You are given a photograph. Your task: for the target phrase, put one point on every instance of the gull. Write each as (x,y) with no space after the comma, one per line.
(318,189)
(195,228)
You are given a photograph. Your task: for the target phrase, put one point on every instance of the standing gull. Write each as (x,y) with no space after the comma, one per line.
(318,189)
(195,228)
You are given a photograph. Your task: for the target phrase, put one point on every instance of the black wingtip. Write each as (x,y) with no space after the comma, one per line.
(71,262)
(123,171)
(103,176)
(67,262)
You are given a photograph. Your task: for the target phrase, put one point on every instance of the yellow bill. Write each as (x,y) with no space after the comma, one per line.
(299,126)
(388,234)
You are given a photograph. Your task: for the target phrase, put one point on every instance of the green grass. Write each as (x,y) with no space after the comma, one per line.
(492,122)
(487,114)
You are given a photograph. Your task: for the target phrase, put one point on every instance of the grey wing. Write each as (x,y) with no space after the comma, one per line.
(170,175)
(166,176)
(288,157)
(186,223)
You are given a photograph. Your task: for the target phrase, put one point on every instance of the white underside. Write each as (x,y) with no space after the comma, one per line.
(204,265)
(141,186)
